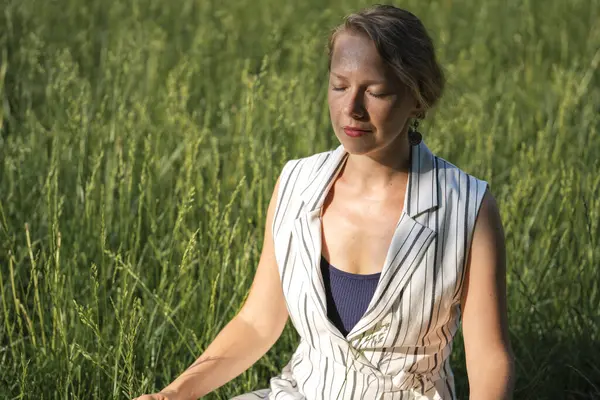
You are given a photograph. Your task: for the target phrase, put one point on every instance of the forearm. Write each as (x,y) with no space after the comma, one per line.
(492,381)
(234,350)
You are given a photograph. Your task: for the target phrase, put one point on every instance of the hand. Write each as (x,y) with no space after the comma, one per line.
(159,396)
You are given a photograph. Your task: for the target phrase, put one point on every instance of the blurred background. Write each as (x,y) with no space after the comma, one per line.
(140,142)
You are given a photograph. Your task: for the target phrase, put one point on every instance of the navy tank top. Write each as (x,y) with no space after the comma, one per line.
(348,295)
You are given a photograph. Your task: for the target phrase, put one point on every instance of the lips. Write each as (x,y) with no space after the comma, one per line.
(355,132)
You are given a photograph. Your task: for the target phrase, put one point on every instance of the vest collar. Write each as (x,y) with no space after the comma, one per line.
(422,191)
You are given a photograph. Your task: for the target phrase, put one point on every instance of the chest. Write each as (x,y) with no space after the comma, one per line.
(356,231)
(418,280)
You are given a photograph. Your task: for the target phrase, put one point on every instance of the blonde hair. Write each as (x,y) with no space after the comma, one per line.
(404,44)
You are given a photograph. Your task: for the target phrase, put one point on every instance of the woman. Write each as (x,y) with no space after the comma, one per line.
(376,250)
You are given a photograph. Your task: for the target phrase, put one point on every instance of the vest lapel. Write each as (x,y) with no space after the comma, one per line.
(306,231)
(409,241)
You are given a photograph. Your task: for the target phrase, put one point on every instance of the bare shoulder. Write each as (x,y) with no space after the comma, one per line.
(489,230)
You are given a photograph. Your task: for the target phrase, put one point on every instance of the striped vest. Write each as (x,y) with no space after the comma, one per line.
(400,348)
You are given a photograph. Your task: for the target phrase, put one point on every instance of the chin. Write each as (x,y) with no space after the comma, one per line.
(356,146)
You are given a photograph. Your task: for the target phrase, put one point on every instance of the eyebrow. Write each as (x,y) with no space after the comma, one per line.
(369,82)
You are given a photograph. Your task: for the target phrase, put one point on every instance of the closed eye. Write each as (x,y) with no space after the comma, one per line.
(378,95)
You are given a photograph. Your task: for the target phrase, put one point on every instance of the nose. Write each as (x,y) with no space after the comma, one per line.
(355,106)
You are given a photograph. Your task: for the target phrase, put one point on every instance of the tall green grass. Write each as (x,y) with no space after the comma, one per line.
(141,141)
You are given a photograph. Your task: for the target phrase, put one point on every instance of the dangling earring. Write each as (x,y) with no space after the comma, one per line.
(414,136)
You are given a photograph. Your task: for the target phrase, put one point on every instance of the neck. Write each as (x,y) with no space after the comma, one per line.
(379,170)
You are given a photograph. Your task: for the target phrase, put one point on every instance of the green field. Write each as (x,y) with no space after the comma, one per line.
(140,142)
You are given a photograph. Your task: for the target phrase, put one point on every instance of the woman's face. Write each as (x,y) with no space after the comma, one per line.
(369,108)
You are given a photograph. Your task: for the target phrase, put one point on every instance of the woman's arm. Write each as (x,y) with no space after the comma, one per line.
(246,338)
(484,317)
